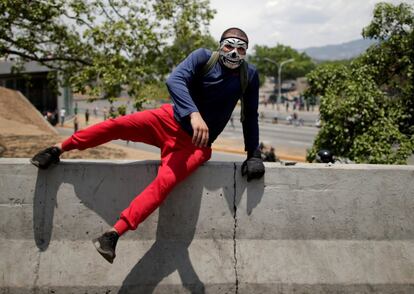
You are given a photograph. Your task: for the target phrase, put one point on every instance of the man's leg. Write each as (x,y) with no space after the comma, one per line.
(175,167)
(142,126)
(138,127)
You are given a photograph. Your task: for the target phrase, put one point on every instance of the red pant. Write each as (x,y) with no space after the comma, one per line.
(179,156)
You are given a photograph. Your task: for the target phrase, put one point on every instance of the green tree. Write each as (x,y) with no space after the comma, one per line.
(122,110)
(302,65)
(367,107)
(345,62)
(155,91)
(171,56)
(99,46)
(182,46)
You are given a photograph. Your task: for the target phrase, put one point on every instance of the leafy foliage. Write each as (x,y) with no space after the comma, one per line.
(155,90)
(122,110)
(367,108)
(182,46)
(302,64)
(100,46)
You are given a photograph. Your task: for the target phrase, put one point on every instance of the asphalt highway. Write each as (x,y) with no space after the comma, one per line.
(287,139)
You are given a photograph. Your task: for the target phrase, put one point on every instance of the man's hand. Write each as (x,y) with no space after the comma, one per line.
(253,166)
(200,130)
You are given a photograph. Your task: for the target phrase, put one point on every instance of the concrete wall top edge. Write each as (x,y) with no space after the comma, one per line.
(20,161)
(342,166)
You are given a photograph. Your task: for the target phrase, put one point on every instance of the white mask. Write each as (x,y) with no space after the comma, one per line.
(233,52)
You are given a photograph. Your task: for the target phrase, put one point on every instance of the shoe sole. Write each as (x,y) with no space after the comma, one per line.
(108,257)
(37,164)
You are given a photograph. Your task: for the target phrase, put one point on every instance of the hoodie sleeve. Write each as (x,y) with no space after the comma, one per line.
(251,123)
(178,83)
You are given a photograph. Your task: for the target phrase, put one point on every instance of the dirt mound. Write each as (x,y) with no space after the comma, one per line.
(19,117)
(23,132)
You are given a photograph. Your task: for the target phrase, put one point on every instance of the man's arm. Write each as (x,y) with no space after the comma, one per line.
(253,166)
(178,85)
(251,122)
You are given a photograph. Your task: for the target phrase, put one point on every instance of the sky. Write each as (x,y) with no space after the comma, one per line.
(296,23)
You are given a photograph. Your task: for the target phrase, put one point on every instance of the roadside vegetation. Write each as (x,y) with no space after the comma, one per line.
(367,107)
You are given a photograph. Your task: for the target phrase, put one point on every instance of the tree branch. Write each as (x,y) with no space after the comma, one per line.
(45,60)
(78,19)
(117,12)
(106,13)
(122,17)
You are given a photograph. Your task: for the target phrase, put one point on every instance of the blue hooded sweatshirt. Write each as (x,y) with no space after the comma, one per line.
(214,96)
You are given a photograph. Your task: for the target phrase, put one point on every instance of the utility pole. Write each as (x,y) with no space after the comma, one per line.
(279,76)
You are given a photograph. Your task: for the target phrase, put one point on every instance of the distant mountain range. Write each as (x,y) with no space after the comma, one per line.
(342,51)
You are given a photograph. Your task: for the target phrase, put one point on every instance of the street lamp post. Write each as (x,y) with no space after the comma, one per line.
(279,76)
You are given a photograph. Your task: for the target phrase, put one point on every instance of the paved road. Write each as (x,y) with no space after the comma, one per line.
(287,139)
(267,113)
(217,156)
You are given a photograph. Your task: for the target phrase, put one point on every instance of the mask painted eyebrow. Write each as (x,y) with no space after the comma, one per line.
(234,42)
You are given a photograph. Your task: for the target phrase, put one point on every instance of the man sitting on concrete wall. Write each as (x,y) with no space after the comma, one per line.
(204,88)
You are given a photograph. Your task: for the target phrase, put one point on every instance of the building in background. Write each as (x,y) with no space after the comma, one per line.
(38,84)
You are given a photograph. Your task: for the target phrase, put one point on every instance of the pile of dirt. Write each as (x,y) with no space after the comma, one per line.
(19,117)
(23,132)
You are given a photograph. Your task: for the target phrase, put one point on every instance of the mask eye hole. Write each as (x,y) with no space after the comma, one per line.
(241,50)
(228,48)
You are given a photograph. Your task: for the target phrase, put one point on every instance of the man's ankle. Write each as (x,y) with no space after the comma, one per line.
(59,146)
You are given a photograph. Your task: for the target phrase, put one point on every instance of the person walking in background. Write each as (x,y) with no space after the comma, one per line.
(87,116)
(75,124)
(184,131)
(262,115)
(232,122)
(112,111)
(62,115)
(105,113)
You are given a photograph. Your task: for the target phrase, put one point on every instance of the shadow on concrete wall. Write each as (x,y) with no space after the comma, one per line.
(175,232)
(103,188)
(176,225)
(44,203)
(176,228)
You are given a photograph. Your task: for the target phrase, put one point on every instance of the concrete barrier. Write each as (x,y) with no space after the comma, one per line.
(310,228)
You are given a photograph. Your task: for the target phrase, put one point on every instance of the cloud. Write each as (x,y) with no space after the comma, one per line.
(297,23)
(308,17)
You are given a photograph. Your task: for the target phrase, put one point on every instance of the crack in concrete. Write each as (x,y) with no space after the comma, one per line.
(235,229)
(35,288)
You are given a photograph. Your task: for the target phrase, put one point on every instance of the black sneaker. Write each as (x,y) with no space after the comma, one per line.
(106,244)
(46,157)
